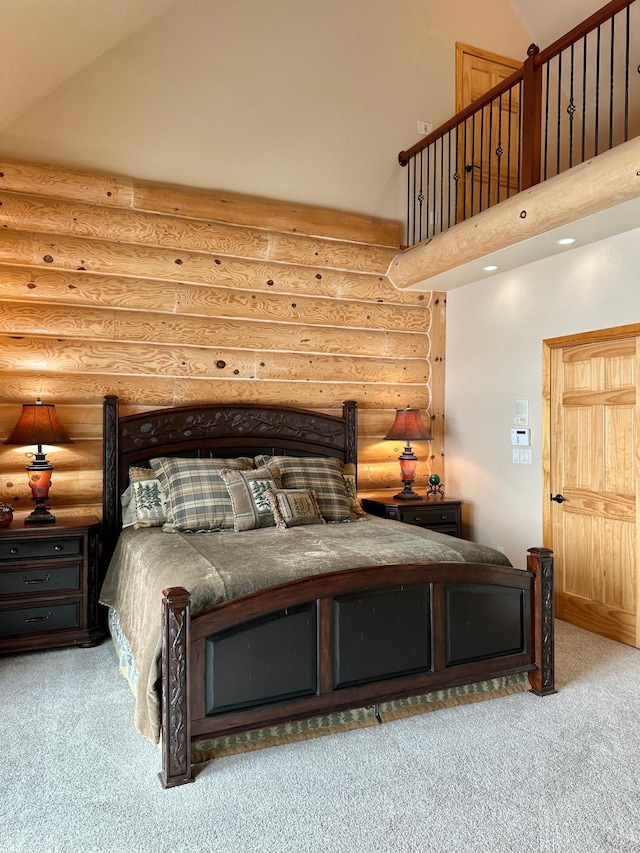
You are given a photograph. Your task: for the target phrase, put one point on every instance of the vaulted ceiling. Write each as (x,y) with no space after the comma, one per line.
(45,43)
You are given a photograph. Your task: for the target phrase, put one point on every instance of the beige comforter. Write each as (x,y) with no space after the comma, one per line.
(216,567)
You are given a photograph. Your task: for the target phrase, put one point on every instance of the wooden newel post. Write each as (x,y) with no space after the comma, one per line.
(542,679)
(531,146)
(175,710)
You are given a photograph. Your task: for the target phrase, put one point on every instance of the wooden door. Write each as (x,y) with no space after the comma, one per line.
(487,149)
(593,444)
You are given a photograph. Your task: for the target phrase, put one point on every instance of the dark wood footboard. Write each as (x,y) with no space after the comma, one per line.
(341,640)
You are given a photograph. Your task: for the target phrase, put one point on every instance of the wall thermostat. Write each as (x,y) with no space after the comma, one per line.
(521,437)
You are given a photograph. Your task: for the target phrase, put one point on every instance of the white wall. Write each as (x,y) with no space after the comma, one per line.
(301,101)
(495,330)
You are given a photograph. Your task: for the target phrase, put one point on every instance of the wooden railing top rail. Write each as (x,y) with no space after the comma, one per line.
(581,30)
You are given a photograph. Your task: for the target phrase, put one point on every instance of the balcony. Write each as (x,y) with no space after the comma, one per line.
(557,142)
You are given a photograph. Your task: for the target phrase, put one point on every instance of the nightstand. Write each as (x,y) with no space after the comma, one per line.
(443,516)
(49,586)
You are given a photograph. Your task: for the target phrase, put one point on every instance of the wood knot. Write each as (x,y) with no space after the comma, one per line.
(221,364)
(48,259)
(523,214)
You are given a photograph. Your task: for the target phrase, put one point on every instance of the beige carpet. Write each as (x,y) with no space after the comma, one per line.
(517,773)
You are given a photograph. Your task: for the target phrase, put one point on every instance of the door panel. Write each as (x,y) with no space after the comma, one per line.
(489,172)
(594,433)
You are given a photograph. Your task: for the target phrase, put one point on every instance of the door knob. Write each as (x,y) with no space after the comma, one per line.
(558,498)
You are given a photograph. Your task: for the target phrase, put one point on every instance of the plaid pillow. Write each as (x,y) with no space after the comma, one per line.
(197,497)
(322,474)
(294,507)
(251,507)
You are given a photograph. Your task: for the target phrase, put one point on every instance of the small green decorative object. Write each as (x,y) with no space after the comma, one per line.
(6,515)
(435,487)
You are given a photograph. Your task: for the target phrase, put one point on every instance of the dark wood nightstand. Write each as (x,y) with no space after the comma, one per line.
(444,516)
(49,585)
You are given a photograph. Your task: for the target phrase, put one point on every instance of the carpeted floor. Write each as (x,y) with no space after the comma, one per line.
(517,773)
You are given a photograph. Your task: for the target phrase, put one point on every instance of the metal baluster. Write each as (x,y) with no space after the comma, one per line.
(558,106)
(571,108)
(427,181)
(584,97)
(611,78)
(441,187)
(626,76)
(546,119)
(519,140)
(456,175)
(499,151)
(421,204)
(597,93)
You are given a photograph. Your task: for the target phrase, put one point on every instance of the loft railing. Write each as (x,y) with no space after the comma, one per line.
(570,102)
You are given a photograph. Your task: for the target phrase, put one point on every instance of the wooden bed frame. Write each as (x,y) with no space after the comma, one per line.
(295,651)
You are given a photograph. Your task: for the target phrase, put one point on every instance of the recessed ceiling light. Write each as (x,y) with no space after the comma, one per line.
(490,268)
(566,241)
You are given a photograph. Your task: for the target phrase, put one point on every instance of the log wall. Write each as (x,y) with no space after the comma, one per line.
(170,295)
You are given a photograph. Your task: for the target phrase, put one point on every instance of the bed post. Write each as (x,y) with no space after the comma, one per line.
(175,710)
(110,496)
(350,414)
(542,679)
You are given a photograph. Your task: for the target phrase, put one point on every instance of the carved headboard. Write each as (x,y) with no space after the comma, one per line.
(221,431)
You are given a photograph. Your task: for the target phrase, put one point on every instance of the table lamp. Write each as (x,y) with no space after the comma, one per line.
(408,427)
(39,424)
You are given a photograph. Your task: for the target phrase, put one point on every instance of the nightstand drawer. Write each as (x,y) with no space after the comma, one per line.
(442,516)
(40,581)
(429,516)
(27,549)
(28,620)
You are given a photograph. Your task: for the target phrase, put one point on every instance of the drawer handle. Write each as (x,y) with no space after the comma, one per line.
(443,518)
(57,547)
(13,550)
(37,618)
(36,580)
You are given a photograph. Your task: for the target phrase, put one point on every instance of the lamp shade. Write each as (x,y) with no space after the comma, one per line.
(38,424)
(408,426)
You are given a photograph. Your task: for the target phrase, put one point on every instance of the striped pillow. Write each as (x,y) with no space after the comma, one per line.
(251,507)
(197,497)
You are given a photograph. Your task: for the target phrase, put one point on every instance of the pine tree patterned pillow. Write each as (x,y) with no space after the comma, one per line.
(149,497)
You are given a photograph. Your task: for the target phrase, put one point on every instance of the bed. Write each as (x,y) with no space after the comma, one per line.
(262,623)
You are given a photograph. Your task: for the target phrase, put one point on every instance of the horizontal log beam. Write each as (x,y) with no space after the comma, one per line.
(162,391)
(102,256)
(54,216)
(181,361)
(117,191)
(18,318)
(146,294)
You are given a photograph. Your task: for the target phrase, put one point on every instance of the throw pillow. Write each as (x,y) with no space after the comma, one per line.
(251,507)
(197,497)
(294,507)
(322,474)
